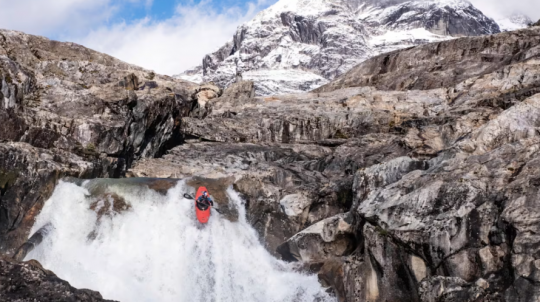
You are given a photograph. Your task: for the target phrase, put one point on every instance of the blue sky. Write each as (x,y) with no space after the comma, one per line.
(168,36)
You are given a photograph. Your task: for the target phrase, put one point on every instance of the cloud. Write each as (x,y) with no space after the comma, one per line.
(502,8)
(54,17)
(180,42)
(175,44)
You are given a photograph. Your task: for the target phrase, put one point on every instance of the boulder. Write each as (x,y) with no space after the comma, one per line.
(331,238)
(203,94)
(29,281)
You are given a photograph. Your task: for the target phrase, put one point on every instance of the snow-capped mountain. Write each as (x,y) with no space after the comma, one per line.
(513,22)
(299,45)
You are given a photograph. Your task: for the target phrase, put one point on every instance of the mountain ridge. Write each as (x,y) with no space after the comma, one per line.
(296,46)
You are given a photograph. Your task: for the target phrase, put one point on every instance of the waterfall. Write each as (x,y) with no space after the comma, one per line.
(150,247)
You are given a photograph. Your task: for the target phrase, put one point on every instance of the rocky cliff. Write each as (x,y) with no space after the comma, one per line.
(411,178)
(70,111)
(296,46)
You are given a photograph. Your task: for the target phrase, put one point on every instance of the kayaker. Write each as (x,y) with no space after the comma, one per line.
(204,201)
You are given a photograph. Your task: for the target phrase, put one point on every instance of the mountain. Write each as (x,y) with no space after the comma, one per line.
(514,22)
(299,45)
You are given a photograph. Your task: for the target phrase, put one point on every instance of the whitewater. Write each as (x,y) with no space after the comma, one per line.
(156,250)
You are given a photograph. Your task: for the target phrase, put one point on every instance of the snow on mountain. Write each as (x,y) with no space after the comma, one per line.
(298,45)
(513,22)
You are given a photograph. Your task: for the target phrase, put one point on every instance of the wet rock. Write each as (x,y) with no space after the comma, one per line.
(29,281)
(331,275)
(161,186)
(28,175)
(32,242)
(109,204)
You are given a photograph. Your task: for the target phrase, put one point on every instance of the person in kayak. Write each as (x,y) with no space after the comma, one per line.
(204,201)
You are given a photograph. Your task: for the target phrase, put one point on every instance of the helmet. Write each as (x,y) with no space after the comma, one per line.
(205,193)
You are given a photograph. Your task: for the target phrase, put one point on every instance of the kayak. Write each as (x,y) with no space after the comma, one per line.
(202,216)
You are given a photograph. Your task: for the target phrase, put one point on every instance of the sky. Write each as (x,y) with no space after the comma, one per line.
(167,36)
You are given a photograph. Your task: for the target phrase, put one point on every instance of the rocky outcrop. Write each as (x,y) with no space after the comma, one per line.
(442,64)
(331,238)
(28,176)
(61,95)
(387,193)
(70,111)
(397,194)
(29,281)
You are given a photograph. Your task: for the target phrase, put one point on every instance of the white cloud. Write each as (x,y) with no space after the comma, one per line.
(502,8)
(53,17)
(173,45)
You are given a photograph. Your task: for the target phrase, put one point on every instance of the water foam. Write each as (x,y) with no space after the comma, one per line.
(156,251)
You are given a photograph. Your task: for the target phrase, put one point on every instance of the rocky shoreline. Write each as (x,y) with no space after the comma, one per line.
(411,178)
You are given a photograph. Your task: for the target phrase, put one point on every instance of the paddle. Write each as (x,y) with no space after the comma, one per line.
(191,197)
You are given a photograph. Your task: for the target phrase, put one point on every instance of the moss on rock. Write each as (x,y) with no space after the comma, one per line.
(7,179)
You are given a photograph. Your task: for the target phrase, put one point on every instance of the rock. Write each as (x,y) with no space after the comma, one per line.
(294,204)
(331,238)
(450,289)
(70,111)
(203,94)
(105,113)
(331,275)
(28,176)
(29,281)
(442,64)
(32,242)
(131,82)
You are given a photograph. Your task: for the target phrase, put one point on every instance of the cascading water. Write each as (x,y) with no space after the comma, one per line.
(155,250)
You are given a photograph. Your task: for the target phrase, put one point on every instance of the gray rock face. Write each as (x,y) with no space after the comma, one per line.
(70,111)
(387,193)
(28,176)
(65,96)
(29,281)
(442,64)
(442,177)
(296,45)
